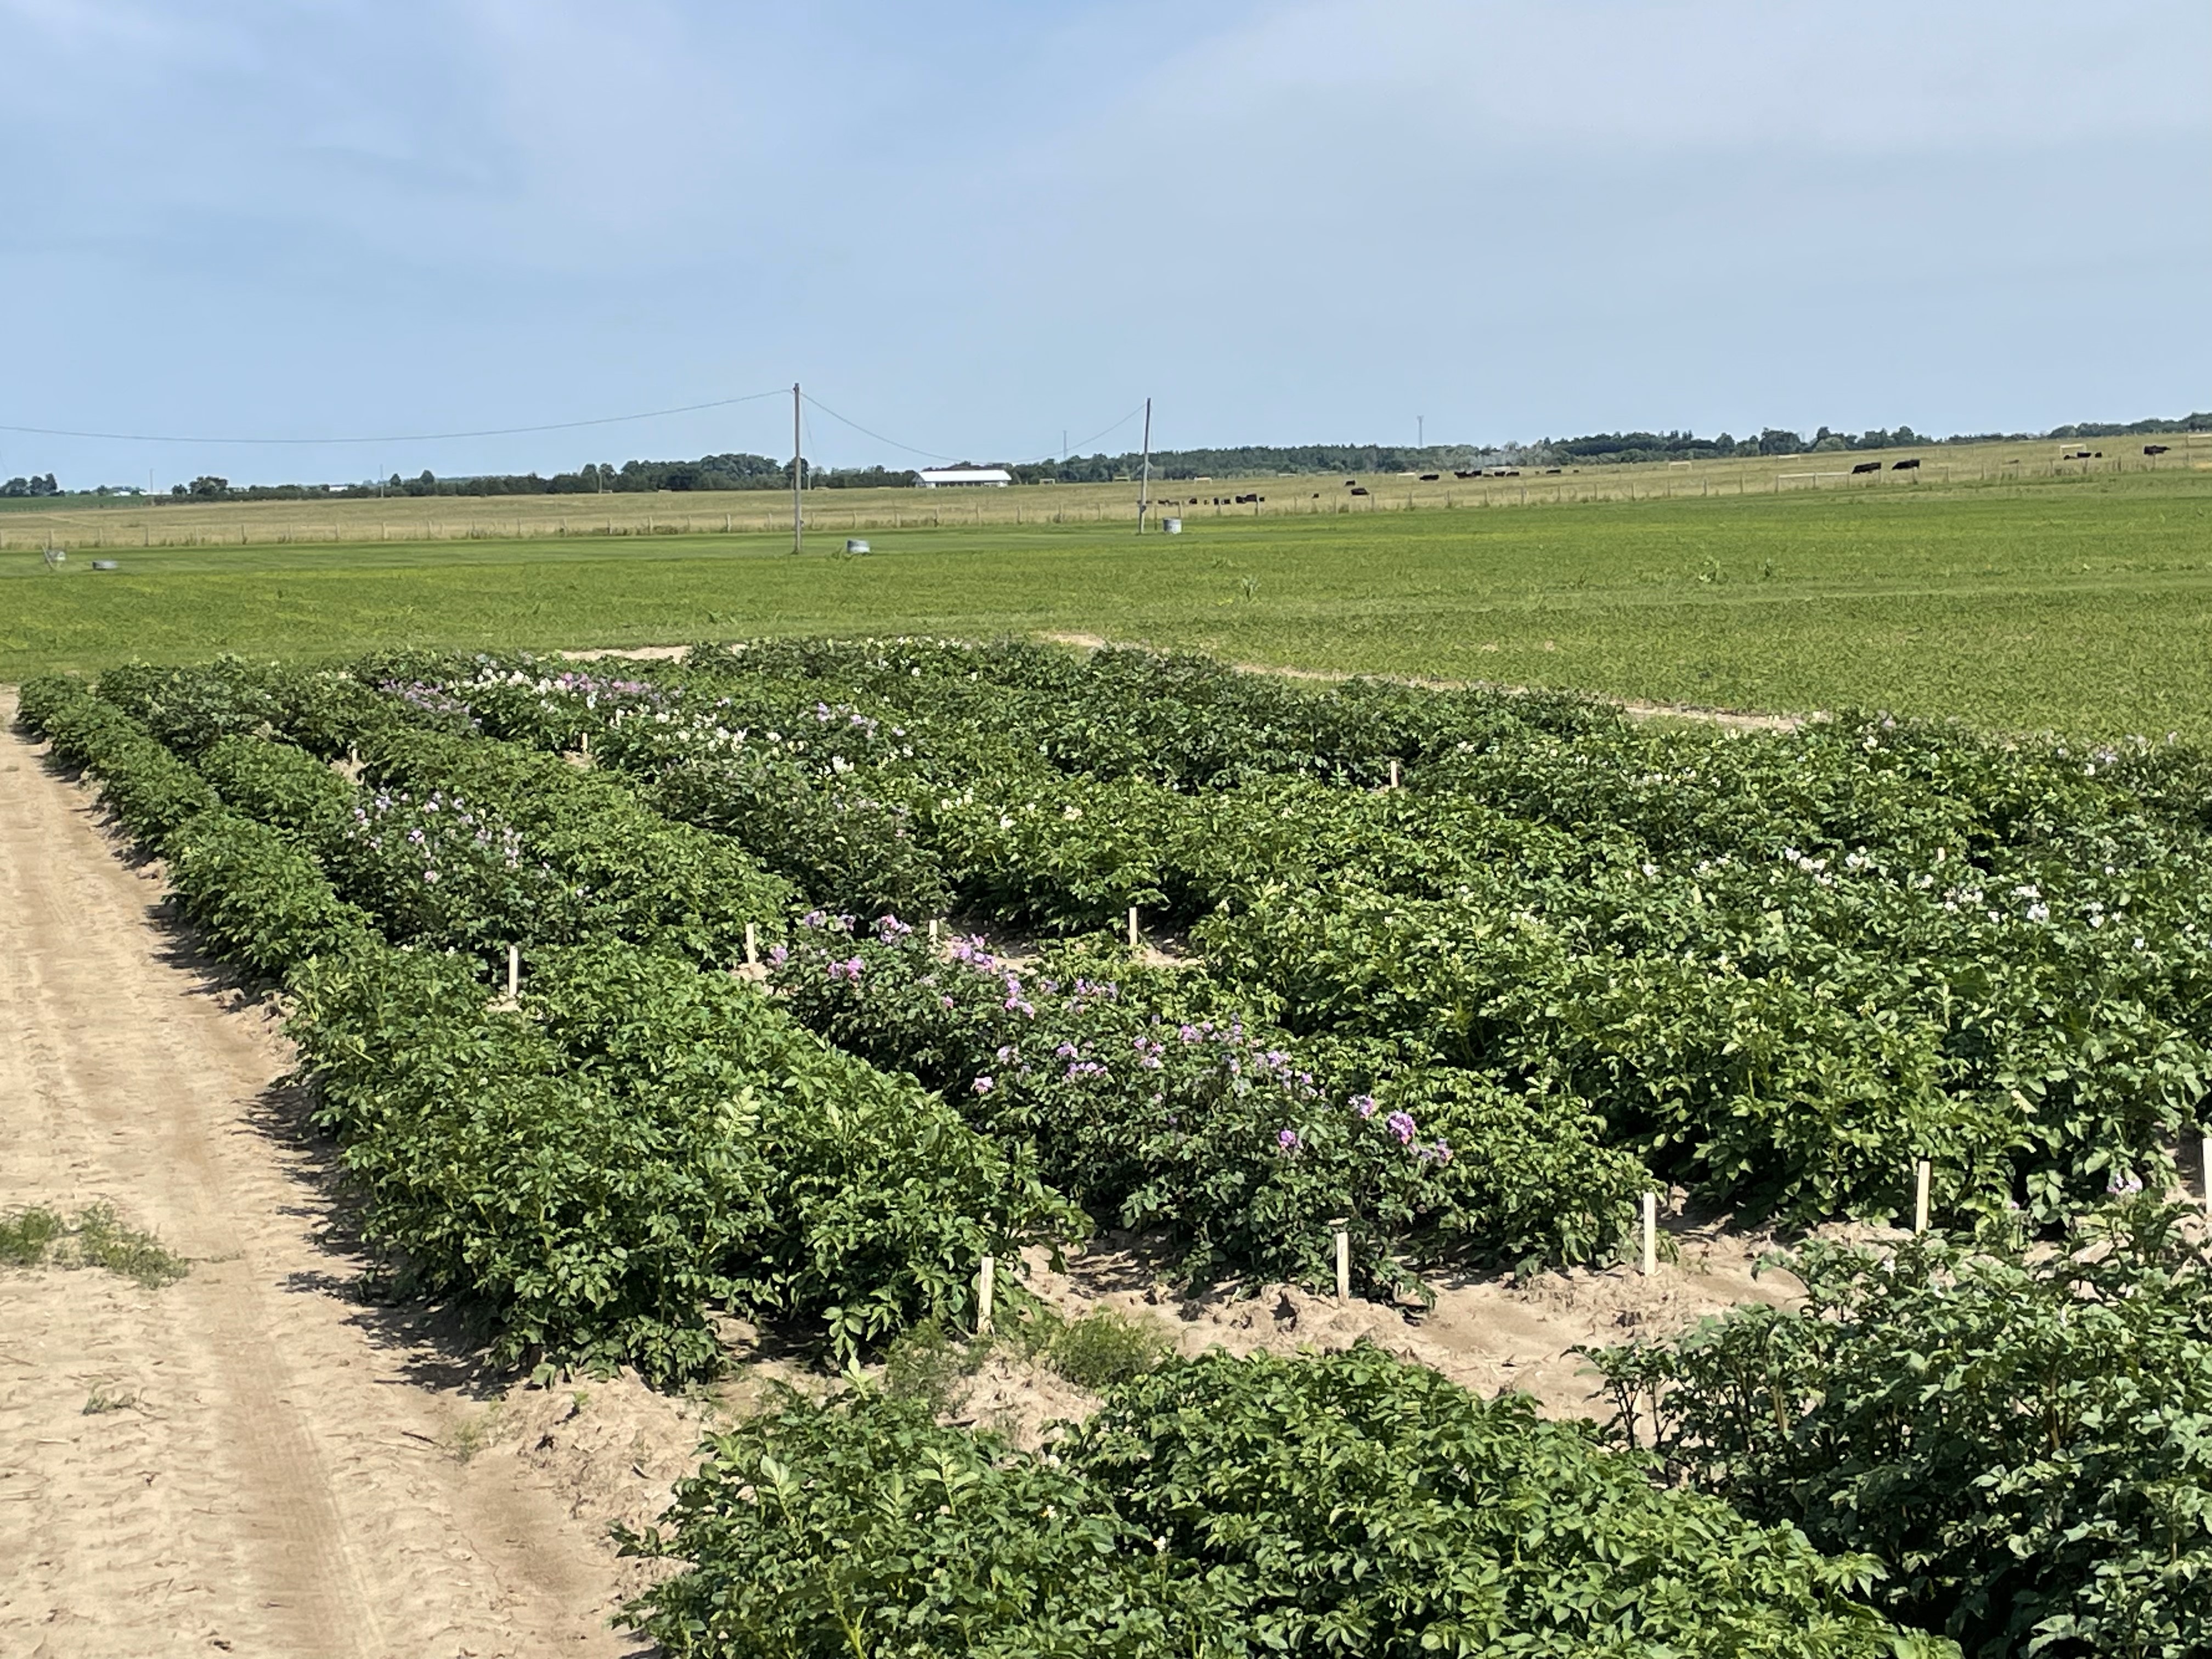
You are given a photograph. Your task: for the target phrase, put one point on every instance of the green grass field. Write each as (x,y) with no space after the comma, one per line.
(2084,606)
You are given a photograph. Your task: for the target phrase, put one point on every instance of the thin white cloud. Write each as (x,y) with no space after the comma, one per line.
(1879,77)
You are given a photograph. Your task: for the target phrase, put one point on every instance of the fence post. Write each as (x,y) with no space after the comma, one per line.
(1650,1234)
(985,1282)
(1920,1174)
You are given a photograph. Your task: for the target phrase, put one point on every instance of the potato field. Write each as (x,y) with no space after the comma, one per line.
(840,967)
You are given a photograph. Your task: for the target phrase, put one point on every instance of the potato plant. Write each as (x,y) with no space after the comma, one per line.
(2023,1436)
(1333,1505)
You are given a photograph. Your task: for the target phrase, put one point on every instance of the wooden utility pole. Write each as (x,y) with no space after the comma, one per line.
(1145,470)
(798,461)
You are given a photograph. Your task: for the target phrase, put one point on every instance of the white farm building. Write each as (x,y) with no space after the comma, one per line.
(948,478)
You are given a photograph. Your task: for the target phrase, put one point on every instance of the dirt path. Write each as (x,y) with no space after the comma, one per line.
(248,1461)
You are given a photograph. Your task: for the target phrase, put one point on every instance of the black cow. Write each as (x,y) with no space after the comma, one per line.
(2156,449)
(1358,490)
(1428,478)
(1912,465)
(1866,466)
(1477,473)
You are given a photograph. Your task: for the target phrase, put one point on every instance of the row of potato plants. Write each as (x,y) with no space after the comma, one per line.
(1346,1504)
(453,837)
(1161,1103)
(635,1144)
(1782,965)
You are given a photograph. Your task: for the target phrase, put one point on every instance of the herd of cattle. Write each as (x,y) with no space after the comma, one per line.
(1910,463)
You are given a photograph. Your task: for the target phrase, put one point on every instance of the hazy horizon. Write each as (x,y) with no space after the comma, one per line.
(993,234)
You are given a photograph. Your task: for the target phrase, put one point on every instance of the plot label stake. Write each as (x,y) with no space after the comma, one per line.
(986,1281)
(1132,927)
(1650,1234)
(1343,1260)
(752,945)
(1920,1174)
(513,971)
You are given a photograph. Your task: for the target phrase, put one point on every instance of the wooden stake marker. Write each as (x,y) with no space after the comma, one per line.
(985,1282)
(2205,1153)
(1650,1234)
(513,971)
(1920,1177)
(1132,927)
(1343,1260)
(752,945)
(1393,774)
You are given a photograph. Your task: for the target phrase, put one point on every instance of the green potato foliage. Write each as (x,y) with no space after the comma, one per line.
(1782,966)
(1166,1106)
(259,898)
(149,789)
(2022,1435)
(632,871)
(1349,1503)
(639,1141)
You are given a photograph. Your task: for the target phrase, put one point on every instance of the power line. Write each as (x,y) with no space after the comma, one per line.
(405,437)
(1117,427)
(931,454)
(926,454)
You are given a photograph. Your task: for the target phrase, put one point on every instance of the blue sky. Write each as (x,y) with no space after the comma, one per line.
(973,228)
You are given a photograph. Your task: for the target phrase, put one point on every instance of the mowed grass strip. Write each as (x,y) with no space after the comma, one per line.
(2077,606)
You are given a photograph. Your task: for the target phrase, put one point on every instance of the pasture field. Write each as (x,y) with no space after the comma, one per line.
(2076,604)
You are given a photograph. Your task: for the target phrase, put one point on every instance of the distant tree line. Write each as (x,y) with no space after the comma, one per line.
(744,472)
(734,472)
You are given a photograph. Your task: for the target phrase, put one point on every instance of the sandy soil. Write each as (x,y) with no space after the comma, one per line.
(254,1460)
(1488,1333)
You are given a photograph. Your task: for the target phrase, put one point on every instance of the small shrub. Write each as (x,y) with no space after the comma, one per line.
(926,1364)
(1106,1348)
(26,1235)
(93,1237)
(98,1239)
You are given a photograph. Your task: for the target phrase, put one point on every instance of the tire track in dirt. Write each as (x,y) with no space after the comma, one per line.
(249,1461)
